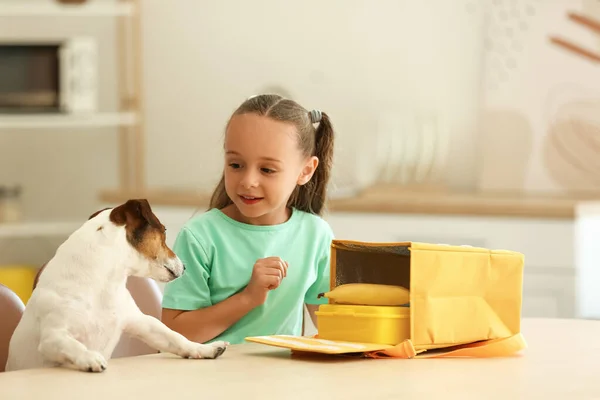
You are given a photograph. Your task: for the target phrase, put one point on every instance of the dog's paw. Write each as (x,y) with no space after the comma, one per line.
(219,347)
(90,361)
(208,351)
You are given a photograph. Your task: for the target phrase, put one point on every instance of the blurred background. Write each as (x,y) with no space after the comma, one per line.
(469,122)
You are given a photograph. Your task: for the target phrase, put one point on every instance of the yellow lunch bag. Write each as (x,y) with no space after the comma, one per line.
(462,302)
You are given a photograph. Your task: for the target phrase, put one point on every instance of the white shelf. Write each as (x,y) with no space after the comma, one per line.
(37,229)
(25,121)
(93,8)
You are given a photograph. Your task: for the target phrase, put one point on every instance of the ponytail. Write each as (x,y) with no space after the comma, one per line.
(312,196)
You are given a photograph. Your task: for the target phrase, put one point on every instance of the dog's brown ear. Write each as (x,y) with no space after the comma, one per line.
(136,215)
(96,213)
(133,212)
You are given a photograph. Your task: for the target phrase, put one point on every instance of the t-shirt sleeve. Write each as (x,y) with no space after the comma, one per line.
(190,291)
(321,284)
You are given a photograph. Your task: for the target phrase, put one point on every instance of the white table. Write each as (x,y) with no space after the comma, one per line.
(562,362)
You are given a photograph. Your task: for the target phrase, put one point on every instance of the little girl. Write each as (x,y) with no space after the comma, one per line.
(261,251)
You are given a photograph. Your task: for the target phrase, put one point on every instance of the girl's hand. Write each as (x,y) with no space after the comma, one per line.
(266,275)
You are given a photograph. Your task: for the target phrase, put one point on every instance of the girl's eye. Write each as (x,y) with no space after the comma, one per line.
(234,165)
(267,170)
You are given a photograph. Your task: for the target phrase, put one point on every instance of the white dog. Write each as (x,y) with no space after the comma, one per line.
(81,305)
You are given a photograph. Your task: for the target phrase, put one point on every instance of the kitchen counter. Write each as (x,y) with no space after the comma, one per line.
(394,200)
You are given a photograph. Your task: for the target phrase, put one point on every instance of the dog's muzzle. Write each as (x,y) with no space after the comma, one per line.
(171,272)
(175,268)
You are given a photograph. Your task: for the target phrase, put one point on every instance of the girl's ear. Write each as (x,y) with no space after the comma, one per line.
(308,170)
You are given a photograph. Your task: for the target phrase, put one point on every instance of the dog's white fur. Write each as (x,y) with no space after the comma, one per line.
(81,305)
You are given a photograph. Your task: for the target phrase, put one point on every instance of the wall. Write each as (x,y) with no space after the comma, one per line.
(361,63)
(540,102)
(368,66)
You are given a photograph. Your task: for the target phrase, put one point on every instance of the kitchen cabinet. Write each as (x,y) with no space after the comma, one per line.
(548,245)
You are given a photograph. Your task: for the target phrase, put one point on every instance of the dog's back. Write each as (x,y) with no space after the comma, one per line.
(65,290)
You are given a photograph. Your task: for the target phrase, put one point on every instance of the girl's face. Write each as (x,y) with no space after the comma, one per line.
(263,165)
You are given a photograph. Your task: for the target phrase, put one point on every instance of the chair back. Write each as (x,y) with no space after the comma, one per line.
(148,297)
(11,310)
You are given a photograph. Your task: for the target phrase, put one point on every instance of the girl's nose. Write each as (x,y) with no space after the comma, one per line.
(249,180)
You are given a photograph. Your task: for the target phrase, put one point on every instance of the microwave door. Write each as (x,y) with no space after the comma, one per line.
(28,78)
(78,75)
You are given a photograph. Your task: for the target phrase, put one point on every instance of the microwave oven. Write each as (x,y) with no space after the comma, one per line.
(58,76)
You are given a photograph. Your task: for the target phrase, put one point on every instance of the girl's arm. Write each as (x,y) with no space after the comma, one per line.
(207,323)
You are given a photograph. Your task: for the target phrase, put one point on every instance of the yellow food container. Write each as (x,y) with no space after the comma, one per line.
(364,324)
(19,279)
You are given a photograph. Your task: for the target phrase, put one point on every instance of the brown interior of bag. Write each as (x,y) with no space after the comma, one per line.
(355,263)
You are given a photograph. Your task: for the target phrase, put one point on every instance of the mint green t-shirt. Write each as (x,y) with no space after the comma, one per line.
(219,254)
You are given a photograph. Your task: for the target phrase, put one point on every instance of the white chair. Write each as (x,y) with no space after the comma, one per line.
(148,297)
(11,310)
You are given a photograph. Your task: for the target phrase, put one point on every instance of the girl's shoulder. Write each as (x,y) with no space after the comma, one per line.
(204,222)
(206,230)
(314,224)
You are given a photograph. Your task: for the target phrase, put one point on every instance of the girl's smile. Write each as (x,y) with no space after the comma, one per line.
(250,199)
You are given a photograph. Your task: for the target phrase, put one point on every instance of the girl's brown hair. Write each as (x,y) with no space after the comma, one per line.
(310,197)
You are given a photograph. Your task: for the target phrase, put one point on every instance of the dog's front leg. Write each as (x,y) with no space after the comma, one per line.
(59,347)
(157,335)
